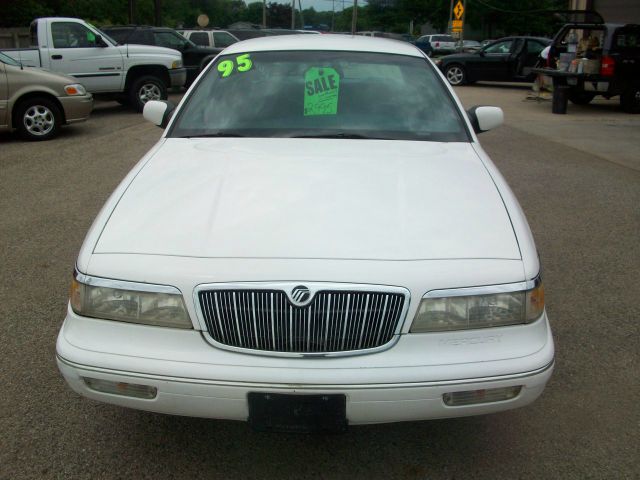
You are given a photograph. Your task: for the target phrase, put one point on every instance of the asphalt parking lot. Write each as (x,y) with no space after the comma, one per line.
(580,189)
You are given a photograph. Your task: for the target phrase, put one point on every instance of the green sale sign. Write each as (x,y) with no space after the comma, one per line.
(322,88)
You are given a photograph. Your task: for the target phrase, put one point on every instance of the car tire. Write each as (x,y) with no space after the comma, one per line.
(455,74)
(38,118)
(146,88)
(630,99)
(580,98)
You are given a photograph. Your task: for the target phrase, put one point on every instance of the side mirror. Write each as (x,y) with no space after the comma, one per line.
(485,118)
(481,53)
(158,112)
(100,42)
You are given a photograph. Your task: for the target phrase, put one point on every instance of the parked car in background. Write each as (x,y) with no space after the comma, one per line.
(74,47)
(596,58)
(210,38)
(194,57)
(38,102)
(403,37)
(247,33)
(424,45)
(440,43)
(509,59)
(368,33)
(317,240)
(468,46)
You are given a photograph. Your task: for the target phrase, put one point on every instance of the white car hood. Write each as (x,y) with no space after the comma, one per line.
(142,50)
(311,198)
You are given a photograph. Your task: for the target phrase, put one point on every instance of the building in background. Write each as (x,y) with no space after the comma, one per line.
(613,11)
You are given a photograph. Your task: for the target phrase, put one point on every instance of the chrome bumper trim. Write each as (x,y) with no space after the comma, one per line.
(305,386)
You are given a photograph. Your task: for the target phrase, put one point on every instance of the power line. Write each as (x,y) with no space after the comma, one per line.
(504,10)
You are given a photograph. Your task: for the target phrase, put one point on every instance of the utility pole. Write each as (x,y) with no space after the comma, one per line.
(293,14)
(464,15)
(333,12)
(354,17)
(264,13)
(450,18)
(158,12)
(132,11)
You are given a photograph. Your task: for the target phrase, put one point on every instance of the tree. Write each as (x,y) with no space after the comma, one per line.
(253,14)
(494,17)
(278,15)
(20,14)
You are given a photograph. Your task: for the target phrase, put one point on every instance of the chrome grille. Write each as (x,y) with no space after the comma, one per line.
(334,321)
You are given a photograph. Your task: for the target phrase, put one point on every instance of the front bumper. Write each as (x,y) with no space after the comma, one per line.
(77,108)
(178,77)
(365,403)
(195,379)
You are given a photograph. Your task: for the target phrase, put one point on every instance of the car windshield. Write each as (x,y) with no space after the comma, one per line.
(8,60)
(321,94)
(188,42)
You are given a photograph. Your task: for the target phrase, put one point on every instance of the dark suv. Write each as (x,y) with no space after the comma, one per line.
(596,58)
(194,57)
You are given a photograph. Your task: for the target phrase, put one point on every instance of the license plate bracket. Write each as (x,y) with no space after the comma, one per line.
(277,412)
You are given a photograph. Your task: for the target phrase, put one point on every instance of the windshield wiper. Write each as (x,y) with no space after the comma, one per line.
(212,135)
(356,136)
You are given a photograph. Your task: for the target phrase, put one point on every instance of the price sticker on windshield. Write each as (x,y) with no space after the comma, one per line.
(242,62)
(321,91)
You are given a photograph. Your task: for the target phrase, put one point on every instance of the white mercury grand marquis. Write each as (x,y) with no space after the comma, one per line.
(317,240)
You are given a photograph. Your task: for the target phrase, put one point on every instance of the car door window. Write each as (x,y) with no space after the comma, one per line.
(534,47)
(500,47)
(72,35)
(141,37)
(200,38)
(120,36)
(223,39)
(169,40)
(8,60)
(626,39)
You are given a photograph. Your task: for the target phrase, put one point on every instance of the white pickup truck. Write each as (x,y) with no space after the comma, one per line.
(133,74)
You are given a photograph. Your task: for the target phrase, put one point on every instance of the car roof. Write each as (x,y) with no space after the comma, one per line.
(130,27)
(136,27)
(523,37)
(351,43)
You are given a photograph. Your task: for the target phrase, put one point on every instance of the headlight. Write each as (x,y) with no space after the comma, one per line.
(128,302)
(177,64)
(467,309)
(75,89)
